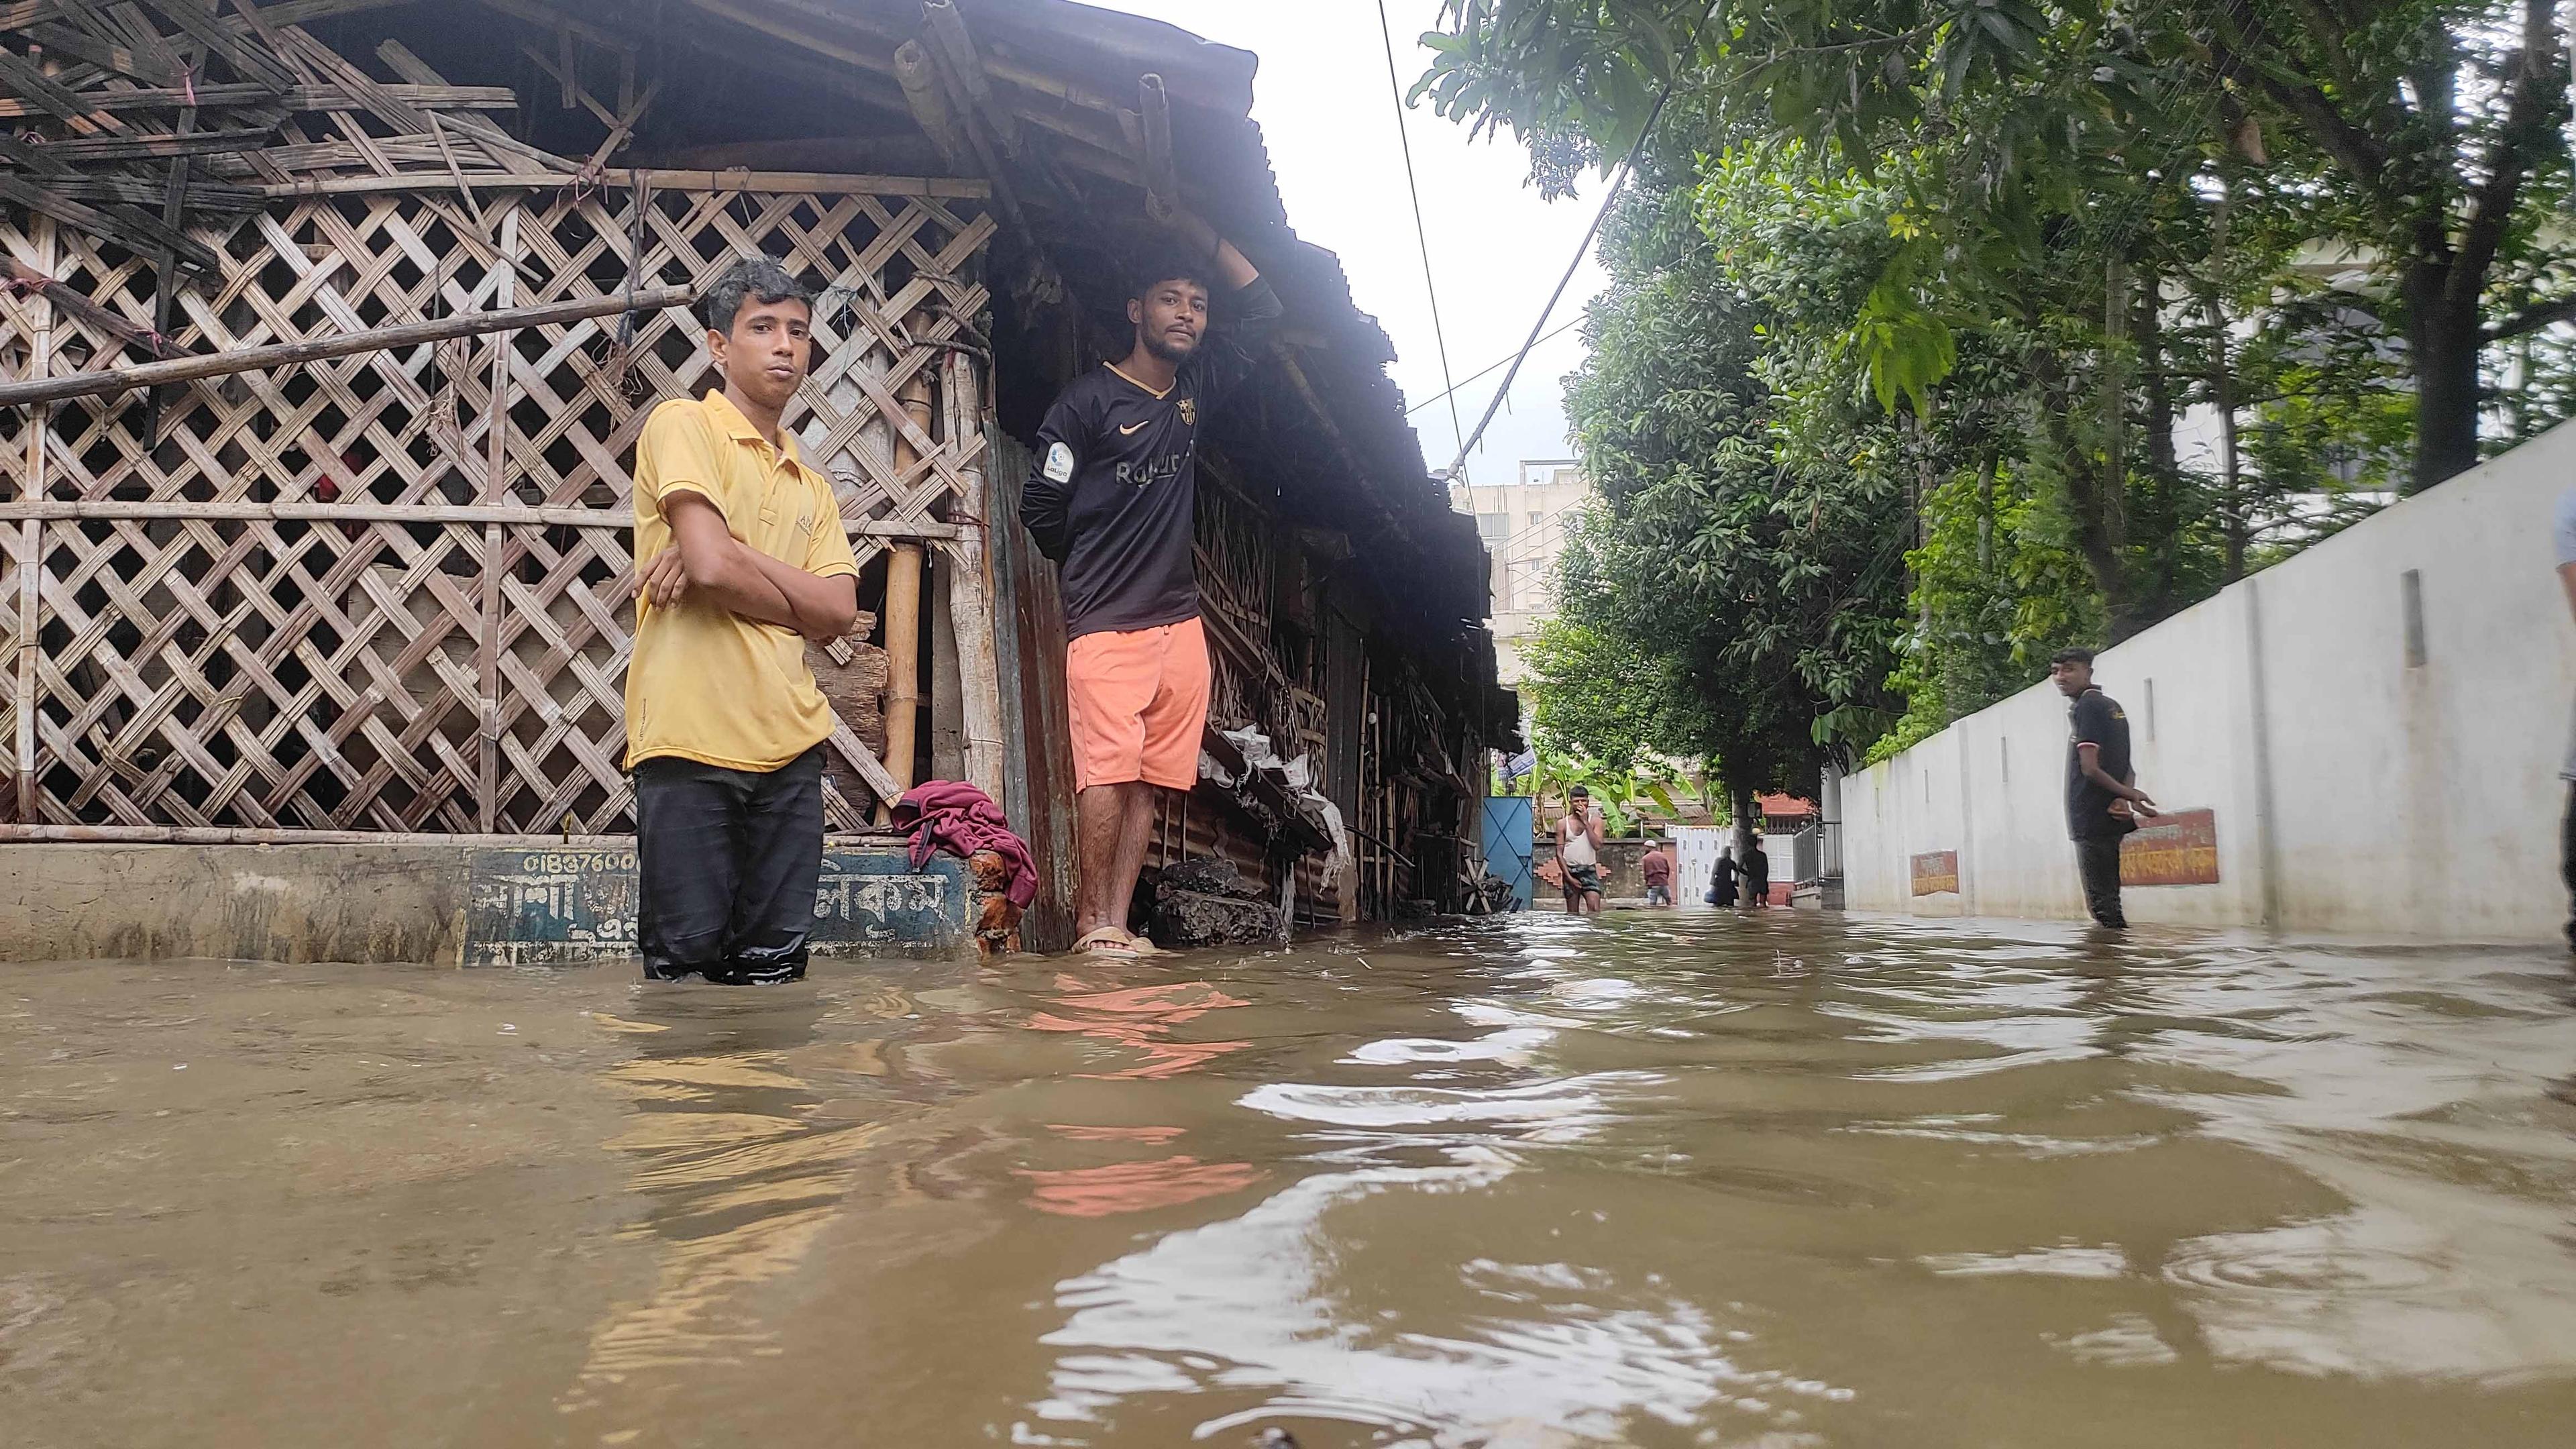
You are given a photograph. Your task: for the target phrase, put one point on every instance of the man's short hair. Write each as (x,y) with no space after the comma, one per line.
(751,278)
(1168,264)
(1581,791)
(2077,655)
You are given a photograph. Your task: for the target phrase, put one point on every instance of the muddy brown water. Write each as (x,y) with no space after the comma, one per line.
(1660,1180)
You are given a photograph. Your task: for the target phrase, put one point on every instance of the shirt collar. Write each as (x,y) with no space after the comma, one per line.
(1131,380)
(741,430)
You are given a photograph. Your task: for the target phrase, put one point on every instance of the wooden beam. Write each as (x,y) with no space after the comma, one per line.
(904,154)
(134,191)
(929,102)
(971,603)
(27,13)
(322,349)
(952,188)
(106,55)
(119,224)
(1162,176)
(40,90)
(301,98)
(947,30)
(549,18)
(95,150)
(362,511)
(250,62)
(998,66)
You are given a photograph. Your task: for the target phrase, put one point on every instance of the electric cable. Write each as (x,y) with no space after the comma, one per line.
(1627,167)
(1561,329)
(1421,237)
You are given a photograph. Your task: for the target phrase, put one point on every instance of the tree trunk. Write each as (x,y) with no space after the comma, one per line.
(2167,510)
(2159,385)
(1986,517)
(1740,800)
(2096,511)
(2231,473)
(2443,343)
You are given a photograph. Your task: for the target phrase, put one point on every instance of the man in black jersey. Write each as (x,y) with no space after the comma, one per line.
(2103,802)
(1111,499)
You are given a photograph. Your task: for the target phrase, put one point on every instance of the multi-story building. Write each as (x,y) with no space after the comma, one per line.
(1523,524)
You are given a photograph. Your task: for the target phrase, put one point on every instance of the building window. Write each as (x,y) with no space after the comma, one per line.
(1494,527)
(1537,518)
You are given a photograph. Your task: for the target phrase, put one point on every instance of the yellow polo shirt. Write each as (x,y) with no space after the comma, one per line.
(705,683)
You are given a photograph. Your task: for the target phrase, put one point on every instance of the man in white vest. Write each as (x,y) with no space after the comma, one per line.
(1578,853)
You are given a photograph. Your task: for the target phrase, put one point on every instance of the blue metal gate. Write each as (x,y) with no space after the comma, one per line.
(1507,844)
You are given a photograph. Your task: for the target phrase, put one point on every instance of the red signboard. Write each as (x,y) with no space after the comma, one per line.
(2176,849)
(1936,873)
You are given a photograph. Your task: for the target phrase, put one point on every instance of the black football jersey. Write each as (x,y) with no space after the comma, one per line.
(1113,491)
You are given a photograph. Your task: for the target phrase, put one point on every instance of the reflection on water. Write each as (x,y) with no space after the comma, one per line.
(1657,1180)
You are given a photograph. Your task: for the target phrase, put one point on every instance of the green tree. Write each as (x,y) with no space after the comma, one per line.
(2427,135)
(1765,594)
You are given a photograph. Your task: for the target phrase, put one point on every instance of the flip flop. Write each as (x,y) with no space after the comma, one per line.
(1106,941)
(1144,947)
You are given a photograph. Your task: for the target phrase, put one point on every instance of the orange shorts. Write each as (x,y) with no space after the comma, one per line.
(1138,702)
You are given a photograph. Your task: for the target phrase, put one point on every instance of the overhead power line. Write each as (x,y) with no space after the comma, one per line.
(1561,329)
(1421,237)
(1609,199)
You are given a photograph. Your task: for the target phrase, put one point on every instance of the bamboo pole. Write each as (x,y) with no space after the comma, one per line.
(323,349)
(903,663)
(929,103)
(1162,178)
(947,32)
(487,652)
(31,538)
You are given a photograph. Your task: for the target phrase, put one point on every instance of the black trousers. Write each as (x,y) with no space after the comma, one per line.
(727,862)
(2567,863)
(2098,862)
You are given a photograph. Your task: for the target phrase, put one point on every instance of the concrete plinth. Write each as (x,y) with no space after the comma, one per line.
(460,904)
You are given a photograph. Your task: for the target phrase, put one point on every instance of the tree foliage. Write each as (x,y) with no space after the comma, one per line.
(2427,136)
(1726,601)
(1889,393)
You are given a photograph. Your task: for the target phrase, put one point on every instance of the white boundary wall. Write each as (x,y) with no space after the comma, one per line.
(2354,790)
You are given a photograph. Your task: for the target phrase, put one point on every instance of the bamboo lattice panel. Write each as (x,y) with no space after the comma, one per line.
(338,596)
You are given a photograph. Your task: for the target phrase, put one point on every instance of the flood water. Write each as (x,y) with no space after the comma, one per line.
(1668,1179)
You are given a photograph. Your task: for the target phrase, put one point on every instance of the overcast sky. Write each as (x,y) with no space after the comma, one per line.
(1496,249)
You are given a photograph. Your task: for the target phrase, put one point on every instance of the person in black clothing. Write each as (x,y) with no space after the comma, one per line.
(1757,875)
(1721,880)
(2103,802)
(1112,499)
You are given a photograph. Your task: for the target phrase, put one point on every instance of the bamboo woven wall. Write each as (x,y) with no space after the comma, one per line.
(389,593)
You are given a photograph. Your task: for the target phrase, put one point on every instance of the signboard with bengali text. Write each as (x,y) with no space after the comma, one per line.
(1936,873)
(542,906)
(2175,849)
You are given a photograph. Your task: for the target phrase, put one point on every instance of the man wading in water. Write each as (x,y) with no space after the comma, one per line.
(1111,500)
(1578,853)
(2103,804)
(741,559)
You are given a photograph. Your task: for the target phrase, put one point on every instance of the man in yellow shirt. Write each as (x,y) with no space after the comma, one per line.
(741,558)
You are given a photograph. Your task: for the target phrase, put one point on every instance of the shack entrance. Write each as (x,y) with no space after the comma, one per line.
(340,551)
(389,593)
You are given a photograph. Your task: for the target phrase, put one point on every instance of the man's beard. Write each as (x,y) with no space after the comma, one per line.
(1157,344)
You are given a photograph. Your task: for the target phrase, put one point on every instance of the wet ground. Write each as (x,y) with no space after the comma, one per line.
(1657,1180)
